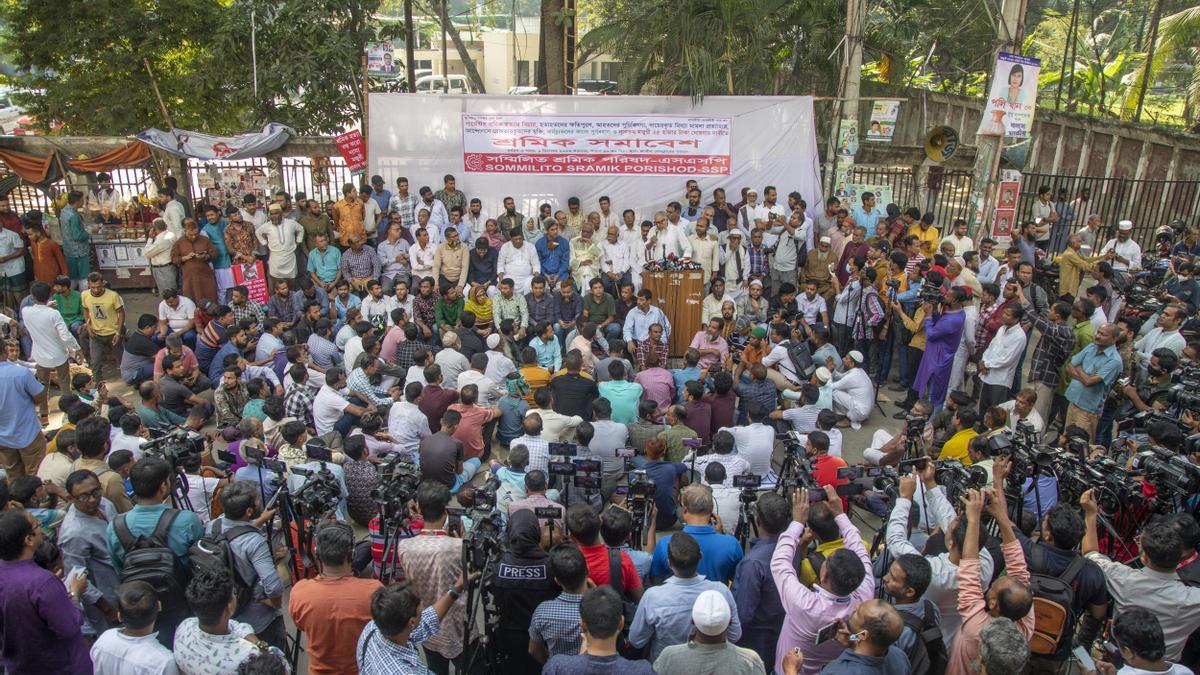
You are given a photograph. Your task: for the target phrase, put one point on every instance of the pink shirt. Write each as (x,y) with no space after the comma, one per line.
(188,358)
(810,609)
(394,336)
(657,385)
(701,341)
(972,607)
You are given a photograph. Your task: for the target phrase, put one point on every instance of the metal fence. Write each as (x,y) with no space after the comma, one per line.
(951,200)
(1150,204)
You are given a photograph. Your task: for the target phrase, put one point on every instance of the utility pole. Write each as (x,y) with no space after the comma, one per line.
(987,148)
(410,47)
(445,57)
(848,86)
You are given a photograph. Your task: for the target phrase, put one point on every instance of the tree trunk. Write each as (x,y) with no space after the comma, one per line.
(554,47)
(1148,66)
(477,81)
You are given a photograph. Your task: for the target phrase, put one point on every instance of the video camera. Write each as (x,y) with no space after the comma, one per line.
(1168,471)
(749,484)
(320,494)
(958,478)
(398,480)
(174,446)
(641,491)
(481,544)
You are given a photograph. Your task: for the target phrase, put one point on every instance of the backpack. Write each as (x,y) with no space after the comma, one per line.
(801,358)
(616,579)
(928,655)
(214,550)
(1053,603)
(151,559)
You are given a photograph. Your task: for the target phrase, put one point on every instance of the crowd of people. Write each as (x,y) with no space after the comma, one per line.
(504,358)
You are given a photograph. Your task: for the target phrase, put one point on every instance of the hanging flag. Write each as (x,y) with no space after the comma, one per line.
(184,143)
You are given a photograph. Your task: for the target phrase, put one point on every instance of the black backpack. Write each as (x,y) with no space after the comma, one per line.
(801,358)
(214,550)
(928,655)
(151,559)
(616,579)
(1053,602)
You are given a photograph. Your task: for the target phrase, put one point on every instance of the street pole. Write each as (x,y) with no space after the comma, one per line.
(987,148)
(849,85)
(445,57)
(410,38)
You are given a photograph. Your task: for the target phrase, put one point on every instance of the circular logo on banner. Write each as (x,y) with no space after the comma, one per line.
(473,161)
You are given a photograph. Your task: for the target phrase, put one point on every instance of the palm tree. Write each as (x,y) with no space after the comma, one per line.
(1175,38)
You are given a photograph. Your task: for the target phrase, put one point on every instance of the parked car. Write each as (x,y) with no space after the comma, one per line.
(450,84)
(595,88)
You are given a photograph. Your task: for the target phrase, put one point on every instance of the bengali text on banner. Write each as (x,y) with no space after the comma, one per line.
(648,145)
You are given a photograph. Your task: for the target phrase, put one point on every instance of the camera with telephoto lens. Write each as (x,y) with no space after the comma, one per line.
(932,294)
(1184,397)
(641,486)
(1168,471)
(1187,374)
(320,494)
(174,446)
(482,542)
(893,284)
(958,478)
(1112,486)
(398,480)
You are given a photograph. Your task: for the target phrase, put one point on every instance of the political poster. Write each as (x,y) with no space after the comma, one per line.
(1003,223)
(251,276)
(883,194)
(883,121)
(381,60)
(353,150)
(648,145)
(1013,97)
(847,143)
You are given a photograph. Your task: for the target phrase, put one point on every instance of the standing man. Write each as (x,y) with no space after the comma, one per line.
(214,229)
(53,343)
(76,240)
(1125,252)
(511,220)
(13,281)
(103,321)
(22,445)
(48,260)
(172,210)
(191,255)
(439,212)
(869,214)
(1093,372)
(281,236)
(348,215)
(104,201)
(999,363)
(315,222)
(159,242)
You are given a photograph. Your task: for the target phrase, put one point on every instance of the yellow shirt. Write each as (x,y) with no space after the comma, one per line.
(537,377)
(808,576)
(930,237)
(348,219)
(105,319)
(956,447)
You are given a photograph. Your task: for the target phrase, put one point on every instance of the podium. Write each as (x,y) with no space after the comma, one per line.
(680,296)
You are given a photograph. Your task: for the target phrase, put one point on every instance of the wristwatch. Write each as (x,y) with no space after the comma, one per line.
(452,593)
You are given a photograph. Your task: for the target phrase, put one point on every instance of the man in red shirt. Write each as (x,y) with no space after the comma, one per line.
(583,525)
(825,466)
(474,419)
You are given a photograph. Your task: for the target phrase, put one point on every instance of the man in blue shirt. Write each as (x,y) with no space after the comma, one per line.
(1092,371)
(759,609)
(236,345)
(664,616)
(868,215)
(721,552)
(324,263)
(22,444)
(151,478)
(214,229)
(690,371)
(554,253)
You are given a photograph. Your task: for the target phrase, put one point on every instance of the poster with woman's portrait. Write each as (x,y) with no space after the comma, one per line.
(1013,97)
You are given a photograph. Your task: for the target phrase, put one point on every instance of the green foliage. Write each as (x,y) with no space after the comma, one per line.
(87,59)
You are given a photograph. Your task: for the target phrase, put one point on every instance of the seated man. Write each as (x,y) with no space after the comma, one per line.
(888,449)
(853,391)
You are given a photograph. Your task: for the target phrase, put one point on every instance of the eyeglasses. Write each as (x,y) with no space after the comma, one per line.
(93,494)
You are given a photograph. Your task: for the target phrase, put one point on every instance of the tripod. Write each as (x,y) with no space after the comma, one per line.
(477,599)
(391,544)
(746,527)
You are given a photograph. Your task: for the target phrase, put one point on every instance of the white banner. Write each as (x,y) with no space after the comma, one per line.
(184,143)
(658,145)
(637,150)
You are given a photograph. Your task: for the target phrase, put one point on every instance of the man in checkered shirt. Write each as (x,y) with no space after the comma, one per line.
(554,628)
(299,401)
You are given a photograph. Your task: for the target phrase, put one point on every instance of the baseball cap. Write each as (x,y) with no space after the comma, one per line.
(710,613)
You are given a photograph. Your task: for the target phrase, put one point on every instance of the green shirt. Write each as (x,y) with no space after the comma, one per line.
(673,437)
(598,312)
(447,315)
(70,306)
(624,397)
(1084,334)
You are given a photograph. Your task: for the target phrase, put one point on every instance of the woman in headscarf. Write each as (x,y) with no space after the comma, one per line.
(520,582)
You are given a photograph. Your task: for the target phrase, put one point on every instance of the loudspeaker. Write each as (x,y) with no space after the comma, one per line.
(941,143)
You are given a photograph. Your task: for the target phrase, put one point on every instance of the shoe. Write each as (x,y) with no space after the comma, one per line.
(900,415)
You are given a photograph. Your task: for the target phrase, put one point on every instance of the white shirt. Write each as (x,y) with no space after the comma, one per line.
(747,216)
(785,252)
(811,309)
(489,391)
(754,443)
(351,352)
(200,493)
(616,257)
(854,385)
(669,240)
(98,200)
(200,652)
(174,214)
(961,245)
(735,465)
(407,425)
(10,242)
(476,225)
(1034,419)
(281,241)
(517,263)
(498,367)
(1098,318)
(115,653)
(180,315)
(1174,669)
(328,406)
(1157,338)
(383,306)
(438,217)
(707,252)
(1127,249)
(158,248)
(711,306)
(52,340)
(727,504)
(421,260)
(1002,355)
(124,442)
(371,213)
(779,356)
(453,364)
(415,374)
(606,221)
